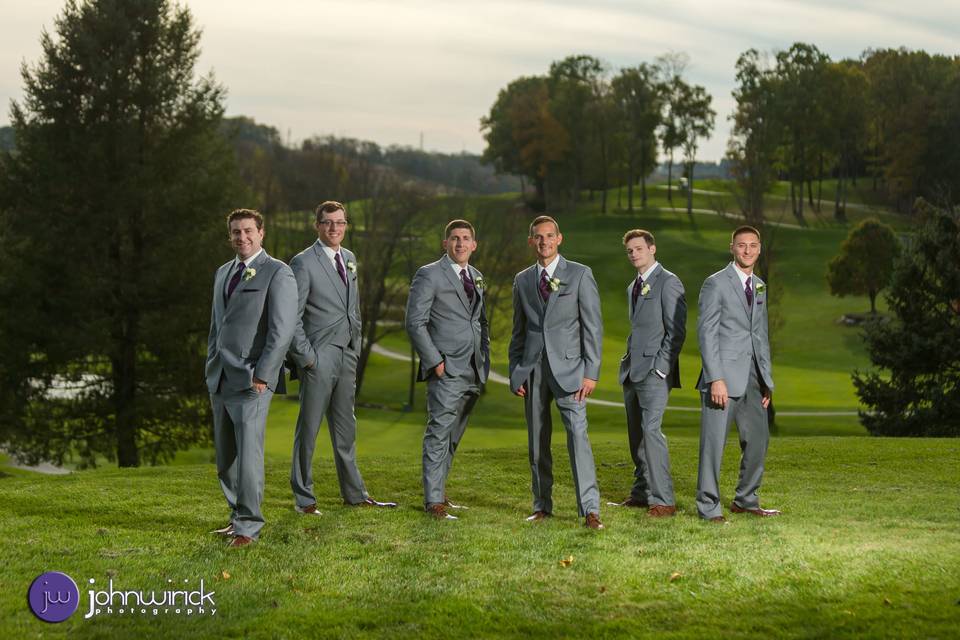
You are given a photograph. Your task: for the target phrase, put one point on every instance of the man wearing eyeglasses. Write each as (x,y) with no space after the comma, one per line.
(326,349)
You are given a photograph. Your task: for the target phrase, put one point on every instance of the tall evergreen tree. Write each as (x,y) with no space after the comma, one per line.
(914,389)
(113,207)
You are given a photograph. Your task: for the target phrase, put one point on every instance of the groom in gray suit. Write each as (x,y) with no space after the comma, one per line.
(447,324)
(650,368)
(251,325)
(326,349)
(736,380)
(555,356)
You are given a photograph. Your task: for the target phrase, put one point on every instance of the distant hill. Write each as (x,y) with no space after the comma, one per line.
(459,172)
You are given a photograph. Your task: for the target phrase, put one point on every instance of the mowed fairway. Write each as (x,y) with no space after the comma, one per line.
(867,547)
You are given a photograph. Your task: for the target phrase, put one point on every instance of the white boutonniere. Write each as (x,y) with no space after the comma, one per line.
(249,273)
(554,284)
(480,284)
(351,266)
(645,289)
(761,288)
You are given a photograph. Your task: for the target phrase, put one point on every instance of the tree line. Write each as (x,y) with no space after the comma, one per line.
(890,116)
(581,126)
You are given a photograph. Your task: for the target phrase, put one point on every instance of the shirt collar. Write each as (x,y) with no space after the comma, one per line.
(331,253)
(740,274)
(457,268)
(550,268)
(649,272)
(249,261)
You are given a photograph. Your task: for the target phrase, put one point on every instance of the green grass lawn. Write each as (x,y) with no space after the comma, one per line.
(867,547)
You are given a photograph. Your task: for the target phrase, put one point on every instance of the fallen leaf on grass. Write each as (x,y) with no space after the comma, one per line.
(676,575)
(887,602)
(225,575)
(566,562)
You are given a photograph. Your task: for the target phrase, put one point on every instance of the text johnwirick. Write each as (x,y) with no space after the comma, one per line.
(110,601)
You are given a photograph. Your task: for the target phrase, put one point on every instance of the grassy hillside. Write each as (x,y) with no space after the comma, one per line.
(864,549)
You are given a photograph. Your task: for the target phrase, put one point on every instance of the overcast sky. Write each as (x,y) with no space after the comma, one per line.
(390,70)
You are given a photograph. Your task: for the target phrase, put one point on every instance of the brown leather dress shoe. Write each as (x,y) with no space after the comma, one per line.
(661,511)
(763,513)
(539,516)
(717,519)
(592,521)
(370,502)
(630,502)
(439,512)
(310,510)
(224,531)
(450,505)
(240,541)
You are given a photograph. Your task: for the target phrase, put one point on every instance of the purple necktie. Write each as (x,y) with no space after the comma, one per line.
(636,290)
(544,285)
(235,280)
(468,285)
(747,290)
(340,269)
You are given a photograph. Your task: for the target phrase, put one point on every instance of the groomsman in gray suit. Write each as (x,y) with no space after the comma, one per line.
(555,356)
(650,368)
(251,325)
(447,323)
(736,380)
(326,349)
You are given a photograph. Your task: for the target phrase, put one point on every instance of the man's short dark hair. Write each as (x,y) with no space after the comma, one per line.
(541,220)
(639,233)
(242,214)
(329,206)
(459,224)
(745,228)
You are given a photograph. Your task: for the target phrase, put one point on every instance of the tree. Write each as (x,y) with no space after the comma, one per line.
(574,86)
(113,206)
(914,389)
(639,100)
(753,141)
(800,99)
(671,67)
(865,261)
(522,134)
(695,120)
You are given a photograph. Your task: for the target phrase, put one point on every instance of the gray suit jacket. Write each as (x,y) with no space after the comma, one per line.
(442,323)
(731,334)
(328,312)
(567,329)
(250,332)
(658,326)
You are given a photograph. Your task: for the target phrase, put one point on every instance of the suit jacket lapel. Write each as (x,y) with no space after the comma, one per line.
(478,292)
(533,286)
(737,289)
(457,283)
(558,274)
(220,287)
(652,281)
(327,268)
(257,264)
